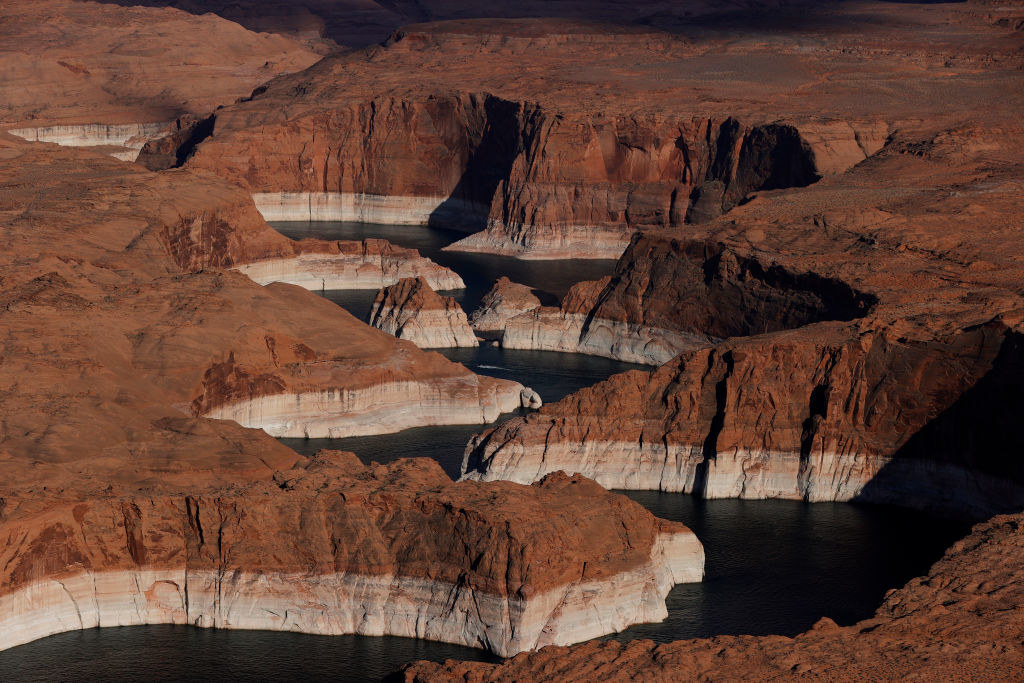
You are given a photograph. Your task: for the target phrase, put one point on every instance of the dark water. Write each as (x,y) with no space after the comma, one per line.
(776,567)
(551,279)
(182,653)
(552,375)
(772,566)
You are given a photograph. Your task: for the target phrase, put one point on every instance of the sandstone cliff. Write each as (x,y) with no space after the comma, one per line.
(854,340)
(413,311)
(961,620)
(330,546)
(543,170)
(123,503)
(504,301)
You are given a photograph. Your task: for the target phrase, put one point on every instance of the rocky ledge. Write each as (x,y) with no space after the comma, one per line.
(504,301)
(137,293)
(348,264)
(961,620)
(330,547)
(862,340)
(411,310)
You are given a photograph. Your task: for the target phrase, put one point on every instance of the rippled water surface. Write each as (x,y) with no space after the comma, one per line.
(772,566)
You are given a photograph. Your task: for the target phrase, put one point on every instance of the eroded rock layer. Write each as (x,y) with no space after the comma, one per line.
(123,321)
(504,301)
(412,310)
(872,351)
(330,546)
(568,156)
(122,504)
(347,264)
(961,620)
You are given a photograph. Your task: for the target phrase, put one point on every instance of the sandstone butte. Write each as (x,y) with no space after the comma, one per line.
(411,310)
(123,503)
(504,301)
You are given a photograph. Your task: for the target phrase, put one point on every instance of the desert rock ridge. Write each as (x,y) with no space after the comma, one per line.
(122,316)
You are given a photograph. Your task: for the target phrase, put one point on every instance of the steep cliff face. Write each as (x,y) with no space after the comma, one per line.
(331,547)
(838,342)
(669,295)
(794,416)
(413,311)
(531,170)
(961,619)
(122,502)
(542,184)
(504,301)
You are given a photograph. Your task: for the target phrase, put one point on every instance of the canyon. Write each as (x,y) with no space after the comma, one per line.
(852,368)
(816,257)
(178,388)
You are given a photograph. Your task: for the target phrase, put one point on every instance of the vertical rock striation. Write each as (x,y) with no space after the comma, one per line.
(333,547)
(504,301)
(532,170)
(411,310)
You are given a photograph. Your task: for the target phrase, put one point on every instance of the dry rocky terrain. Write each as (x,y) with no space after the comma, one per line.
(816,210)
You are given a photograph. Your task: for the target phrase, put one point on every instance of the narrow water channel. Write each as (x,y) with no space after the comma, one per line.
(773,567)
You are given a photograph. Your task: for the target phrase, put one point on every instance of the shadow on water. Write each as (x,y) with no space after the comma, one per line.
(184,653)
(552,279)
(777,566)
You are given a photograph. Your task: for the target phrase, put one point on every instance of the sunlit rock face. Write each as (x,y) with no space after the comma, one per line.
(413,311)
(318,550)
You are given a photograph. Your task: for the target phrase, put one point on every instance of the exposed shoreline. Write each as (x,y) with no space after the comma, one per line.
(761,475)
(381,409)
(343,603)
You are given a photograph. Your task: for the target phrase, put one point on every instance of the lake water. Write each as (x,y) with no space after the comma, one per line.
(551,279)
(772,566)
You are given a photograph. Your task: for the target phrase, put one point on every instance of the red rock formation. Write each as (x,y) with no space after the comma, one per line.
(121,504)
(330,546)
(413,311)
(873,345)
(566,158)
(570,153)
(505,301)
(118,312)
(962,620)
(545,185)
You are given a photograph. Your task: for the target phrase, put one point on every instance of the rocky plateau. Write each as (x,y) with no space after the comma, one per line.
(815,211)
